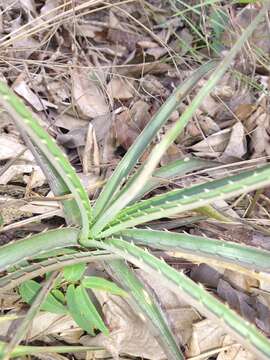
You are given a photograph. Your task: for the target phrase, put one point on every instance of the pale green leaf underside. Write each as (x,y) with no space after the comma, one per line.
(74,272)
(98,283)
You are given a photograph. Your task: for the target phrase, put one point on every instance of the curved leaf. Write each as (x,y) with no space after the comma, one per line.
(177,201)
(15,252)
(203,249)
(94,282)
(83,310)
(74,272)
(29,290)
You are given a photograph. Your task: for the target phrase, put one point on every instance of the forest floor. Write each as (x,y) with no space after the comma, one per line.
(95,73)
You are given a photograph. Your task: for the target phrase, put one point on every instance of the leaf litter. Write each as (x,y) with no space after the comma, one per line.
(96,75)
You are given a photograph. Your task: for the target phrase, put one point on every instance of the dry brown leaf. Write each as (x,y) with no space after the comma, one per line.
(123,37)
(237,145)
(10,148)
(129,331)
(260,137)
(47,9)
(130,123)
(102,126)
(45,325)
(234,352)
(237,300)
(206,275)
(206,335)
(215,143)
(25,47)
(90,158)
(74,139)
(244,111)
(22,89)
(151,85)
(70,122)
(87,94)
(15,171)
(210,106)
(1,23)
(78,129)
(179,313)
(120,88)
(125,134)
(157,52)
(262,307)
(259,41)
(240,281)
(185,43)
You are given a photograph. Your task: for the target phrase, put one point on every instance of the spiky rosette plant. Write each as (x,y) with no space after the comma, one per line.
(110,230)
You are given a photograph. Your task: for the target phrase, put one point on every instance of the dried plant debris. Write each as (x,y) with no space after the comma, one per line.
(96,73)
(130,334)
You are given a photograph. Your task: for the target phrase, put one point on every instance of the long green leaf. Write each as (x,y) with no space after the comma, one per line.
(143,301)
(56,182)
(177,201)
(74,307)
(139,146)
(29,124)
(167,173)
(98,283)
(13,253)
(59,188)
(204,249)
(21,350)
(148,168)
(83,310)
(29,272)
(29,317)
(195,295)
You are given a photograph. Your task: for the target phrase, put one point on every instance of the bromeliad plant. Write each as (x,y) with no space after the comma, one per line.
(108,231)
